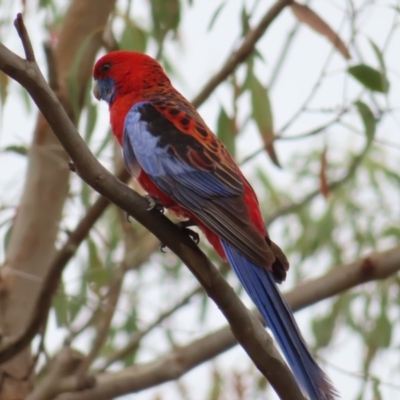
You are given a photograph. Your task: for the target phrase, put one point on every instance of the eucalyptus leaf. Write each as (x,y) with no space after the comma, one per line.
(370,78)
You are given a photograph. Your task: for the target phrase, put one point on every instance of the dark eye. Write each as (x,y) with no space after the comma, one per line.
(106,67)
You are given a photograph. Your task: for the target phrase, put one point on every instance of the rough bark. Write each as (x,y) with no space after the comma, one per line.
(31,246)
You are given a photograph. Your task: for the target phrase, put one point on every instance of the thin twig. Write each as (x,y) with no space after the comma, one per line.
(104,324)
(25,40)
(278,136)
(295,206)
(62,377)
(138,336)
(51,66)
(242,53)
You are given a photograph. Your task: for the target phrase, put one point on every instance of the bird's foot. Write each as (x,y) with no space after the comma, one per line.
(184,227)
(154,204)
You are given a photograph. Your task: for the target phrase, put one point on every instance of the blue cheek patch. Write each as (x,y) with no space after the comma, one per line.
(107,89)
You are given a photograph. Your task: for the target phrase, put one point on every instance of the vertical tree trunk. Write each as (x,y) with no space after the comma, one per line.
(34,232)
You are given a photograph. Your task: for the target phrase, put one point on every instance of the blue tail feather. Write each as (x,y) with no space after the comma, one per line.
(262,289)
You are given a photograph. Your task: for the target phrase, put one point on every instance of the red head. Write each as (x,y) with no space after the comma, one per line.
(125,72)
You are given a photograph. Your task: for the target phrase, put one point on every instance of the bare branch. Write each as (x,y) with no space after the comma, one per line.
(179,361)
(242,53)
(25,40)
(295,206)
(51,66)
(62,377)
(11,346)
(104,324)
(138,336)
(246,328)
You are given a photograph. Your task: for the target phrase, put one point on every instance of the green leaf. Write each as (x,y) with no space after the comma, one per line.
(375,389)
(245,19)
(166,17)
(13,148)
(275,198)
(60,305)
(74,87)
(262,115)
(323,329)
(215,15)
(44,3)
(7,236)
(379,56)
(225,131)
(103,144)
(133,38)
(97,275)
(91,119)
(370,78)
(368,119)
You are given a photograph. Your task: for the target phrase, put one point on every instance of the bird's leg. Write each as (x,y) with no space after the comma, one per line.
(184,227)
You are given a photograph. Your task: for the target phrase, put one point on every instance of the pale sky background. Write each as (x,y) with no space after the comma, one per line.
(200,54)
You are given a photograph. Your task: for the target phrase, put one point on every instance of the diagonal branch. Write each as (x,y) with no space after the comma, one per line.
(183,359)
(242,53)
(246,328)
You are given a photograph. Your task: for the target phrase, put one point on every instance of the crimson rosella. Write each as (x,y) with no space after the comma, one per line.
(183,166)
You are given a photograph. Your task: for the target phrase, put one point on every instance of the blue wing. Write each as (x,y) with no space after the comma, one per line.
(209,190)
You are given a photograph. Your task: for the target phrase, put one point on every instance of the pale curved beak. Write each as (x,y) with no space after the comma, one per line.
(96,90)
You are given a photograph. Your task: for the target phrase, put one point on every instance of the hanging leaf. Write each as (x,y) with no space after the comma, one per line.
(245,19)
(133,38)
(380,336)
(307,16)
(370,78)
(60,306)
(226,131)
(216,385)
(91,119)
(166,17)
(323,182)
(379,56)
(368,119)
(97,275)
(215,15)
(21,150)
(375,389)
(262,115)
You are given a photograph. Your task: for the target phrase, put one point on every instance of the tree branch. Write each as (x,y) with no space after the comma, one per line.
(246,328)
(242,53)
(295,206)
(134,341)
(62,377)
(11,346)
(173,365)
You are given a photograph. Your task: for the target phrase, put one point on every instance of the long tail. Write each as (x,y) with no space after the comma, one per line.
(261,287)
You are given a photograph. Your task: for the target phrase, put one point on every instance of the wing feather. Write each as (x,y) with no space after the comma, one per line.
(212,191)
